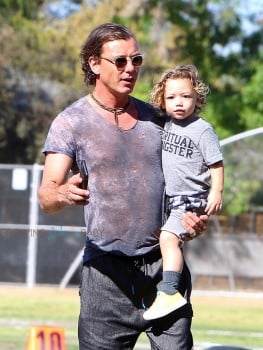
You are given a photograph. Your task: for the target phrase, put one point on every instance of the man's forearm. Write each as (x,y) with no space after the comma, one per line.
(52,198)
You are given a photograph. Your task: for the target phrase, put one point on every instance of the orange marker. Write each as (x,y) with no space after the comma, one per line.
(46,338)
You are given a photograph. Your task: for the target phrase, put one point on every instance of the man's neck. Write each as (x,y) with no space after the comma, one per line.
(108,98)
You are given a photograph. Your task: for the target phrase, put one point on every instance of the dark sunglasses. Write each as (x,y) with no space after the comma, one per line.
(121,61)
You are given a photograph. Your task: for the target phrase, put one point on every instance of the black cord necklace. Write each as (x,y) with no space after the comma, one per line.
(115,111)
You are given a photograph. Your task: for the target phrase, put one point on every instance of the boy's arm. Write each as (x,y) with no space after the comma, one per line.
(214,203)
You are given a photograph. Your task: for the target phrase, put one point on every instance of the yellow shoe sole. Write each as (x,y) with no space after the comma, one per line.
(163,305)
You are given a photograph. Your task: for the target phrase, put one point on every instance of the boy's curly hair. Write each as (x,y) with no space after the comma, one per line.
(179,72)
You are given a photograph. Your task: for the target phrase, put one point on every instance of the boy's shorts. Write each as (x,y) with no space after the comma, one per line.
(174,221)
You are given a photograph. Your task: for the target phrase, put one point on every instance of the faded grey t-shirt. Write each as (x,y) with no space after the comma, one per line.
(190,147)
(126,182)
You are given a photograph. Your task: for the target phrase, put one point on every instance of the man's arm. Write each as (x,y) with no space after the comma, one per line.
(57,190)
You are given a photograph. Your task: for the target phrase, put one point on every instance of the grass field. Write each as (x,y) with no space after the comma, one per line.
(219,318)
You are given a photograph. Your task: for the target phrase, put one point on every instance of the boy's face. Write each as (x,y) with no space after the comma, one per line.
(180,98)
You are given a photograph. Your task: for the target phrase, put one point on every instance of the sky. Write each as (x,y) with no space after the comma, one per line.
(63,8)
(249,7)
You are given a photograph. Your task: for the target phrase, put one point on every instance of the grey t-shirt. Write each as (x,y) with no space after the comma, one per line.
(125,177)
(190,147)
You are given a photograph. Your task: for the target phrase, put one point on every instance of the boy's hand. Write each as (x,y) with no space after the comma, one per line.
(214,203)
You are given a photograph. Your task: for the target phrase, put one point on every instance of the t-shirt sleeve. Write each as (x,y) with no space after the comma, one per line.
(210,147)
(60,138)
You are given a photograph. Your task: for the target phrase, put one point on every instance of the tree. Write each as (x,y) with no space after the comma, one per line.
(205,33)
(252,97)
(209,34)
(26,8)
(39,76)
(28,104)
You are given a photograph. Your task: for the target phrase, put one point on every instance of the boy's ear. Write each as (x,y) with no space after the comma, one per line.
(198,102)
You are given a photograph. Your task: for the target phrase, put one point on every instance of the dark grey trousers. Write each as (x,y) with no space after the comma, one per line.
(114,292)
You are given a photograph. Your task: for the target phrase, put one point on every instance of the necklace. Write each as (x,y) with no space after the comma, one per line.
(115,111)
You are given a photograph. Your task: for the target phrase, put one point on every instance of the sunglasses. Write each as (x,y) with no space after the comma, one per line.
(121,61)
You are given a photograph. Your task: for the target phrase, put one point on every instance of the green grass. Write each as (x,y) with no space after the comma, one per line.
(22,308)
(228,320)
(223,320)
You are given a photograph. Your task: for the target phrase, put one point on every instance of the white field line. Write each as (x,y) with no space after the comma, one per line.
(197,346)
(140,345)
(230,333)
(224,293)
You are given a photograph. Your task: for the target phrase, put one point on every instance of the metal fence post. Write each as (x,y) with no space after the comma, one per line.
(32,234)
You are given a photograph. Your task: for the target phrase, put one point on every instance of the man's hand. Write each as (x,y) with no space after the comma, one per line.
(71,194)
(194,225)
(57,190)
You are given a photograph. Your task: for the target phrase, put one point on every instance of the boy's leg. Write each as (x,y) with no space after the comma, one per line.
(168,298)
(172,262)
(174,330)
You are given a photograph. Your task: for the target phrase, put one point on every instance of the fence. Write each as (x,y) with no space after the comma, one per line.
(34,247)
(47,248)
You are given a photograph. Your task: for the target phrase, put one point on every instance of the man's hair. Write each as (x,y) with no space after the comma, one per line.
(180,72)
(93,45)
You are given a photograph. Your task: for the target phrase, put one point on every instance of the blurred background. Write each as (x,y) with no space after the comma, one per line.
(40,74)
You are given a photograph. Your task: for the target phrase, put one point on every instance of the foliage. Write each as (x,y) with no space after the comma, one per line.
(26,8)
(206,33)
(38,51)
(243,175)
(28,104)
(40,72)
(199,32)
(252,97)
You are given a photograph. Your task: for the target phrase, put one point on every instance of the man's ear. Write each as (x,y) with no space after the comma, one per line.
(94,66)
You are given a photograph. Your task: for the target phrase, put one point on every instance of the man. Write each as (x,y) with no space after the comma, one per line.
(120,140)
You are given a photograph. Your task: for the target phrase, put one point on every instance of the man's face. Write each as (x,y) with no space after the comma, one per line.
(120,80)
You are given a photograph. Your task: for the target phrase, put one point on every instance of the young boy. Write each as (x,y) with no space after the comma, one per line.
(193,171)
